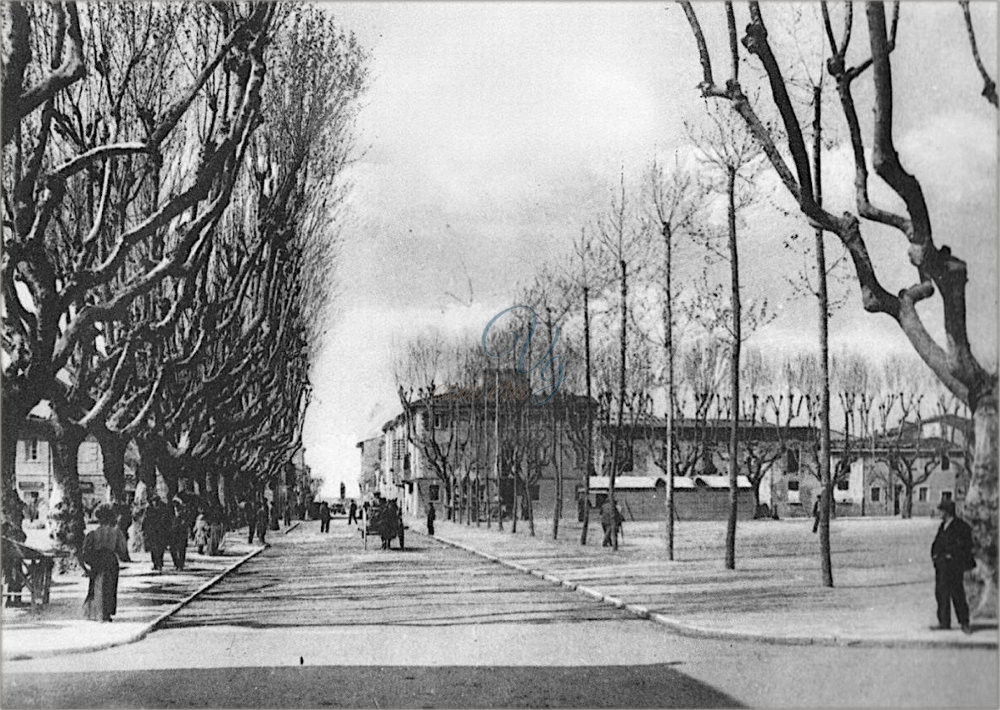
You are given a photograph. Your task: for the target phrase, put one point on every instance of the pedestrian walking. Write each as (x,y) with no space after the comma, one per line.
(263,521)
(608,514)
(179,530)
(324,517)
(352,513)
(102,548)
(951,552)
(431,516)
(156,526)
(288,513)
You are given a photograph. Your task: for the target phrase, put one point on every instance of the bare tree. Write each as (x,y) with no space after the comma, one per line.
(939,271)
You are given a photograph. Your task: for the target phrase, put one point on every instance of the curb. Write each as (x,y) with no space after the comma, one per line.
(141,633)
(693,631)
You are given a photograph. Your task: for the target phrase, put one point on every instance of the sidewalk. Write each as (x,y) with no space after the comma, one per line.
(145,599)
(884,593)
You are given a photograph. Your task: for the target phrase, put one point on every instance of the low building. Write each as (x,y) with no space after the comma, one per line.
(871,472)
(695,498)
(34,470)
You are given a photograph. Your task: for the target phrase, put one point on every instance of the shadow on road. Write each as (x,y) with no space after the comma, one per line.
(642,686)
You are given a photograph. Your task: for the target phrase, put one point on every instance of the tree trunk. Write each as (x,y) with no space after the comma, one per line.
(824,354)
(980,507)
(514,510)
(756,496)
(907,509)
(147,468)
(734,375)
(589,466)
(668,346)
(557,512)
(530,510)
(621,403)
(66,514)
(113,457)
(13,416)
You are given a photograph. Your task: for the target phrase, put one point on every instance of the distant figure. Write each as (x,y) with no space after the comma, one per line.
(156,527)
(402,527)
(431,515)
(607,522)
(201,533)
(288,513)
(250,513)
(263,521)
(816,514)
(178,536)
(952,556)
(352,513)
(102,548)
(324,517)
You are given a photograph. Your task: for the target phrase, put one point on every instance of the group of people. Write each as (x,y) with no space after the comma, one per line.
(258,520)
(171,527)
(611,522)
(163,528)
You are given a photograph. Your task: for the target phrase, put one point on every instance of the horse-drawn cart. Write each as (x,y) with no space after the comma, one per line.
(384,522)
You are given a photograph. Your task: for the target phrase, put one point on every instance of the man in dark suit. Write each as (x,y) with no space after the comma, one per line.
(952,555)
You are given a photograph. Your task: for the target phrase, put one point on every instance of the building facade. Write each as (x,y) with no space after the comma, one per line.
(33,468)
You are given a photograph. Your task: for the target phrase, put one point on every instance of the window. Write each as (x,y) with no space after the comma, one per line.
(533,492)
(922,494)
(398,448)
(945,461)
(434,493)
(31,450)
(793,485)
(791,461)
(844,485)
(945,495)
(793,493)
(876,494)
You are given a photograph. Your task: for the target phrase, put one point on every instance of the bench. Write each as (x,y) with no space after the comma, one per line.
(24,566)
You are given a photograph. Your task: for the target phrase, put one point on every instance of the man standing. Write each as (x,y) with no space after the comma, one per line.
(263,521)
(431,515)
(608,514)
(250,515)
(352,513)
(952,555)
(156,530)
(324,517)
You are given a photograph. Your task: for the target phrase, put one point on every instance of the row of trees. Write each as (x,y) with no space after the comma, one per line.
(648,325)
(482,427)
(173,178)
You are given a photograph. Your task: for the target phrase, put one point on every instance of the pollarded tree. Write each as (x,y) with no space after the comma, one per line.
(123,113)
(939,271)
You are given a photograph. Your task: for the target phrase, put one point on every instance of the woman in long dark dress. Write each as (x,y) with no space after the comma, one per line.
(102,548)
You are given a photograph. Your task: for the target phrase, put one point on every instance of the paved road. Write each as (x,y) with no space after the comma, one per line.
(316,621)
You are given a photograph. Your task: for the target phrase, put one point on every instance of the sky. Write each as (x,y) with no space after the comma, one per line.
(492,132)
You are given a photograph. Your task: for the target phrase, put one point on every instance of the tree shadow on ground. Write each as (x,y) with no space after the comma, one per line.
(293,686)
